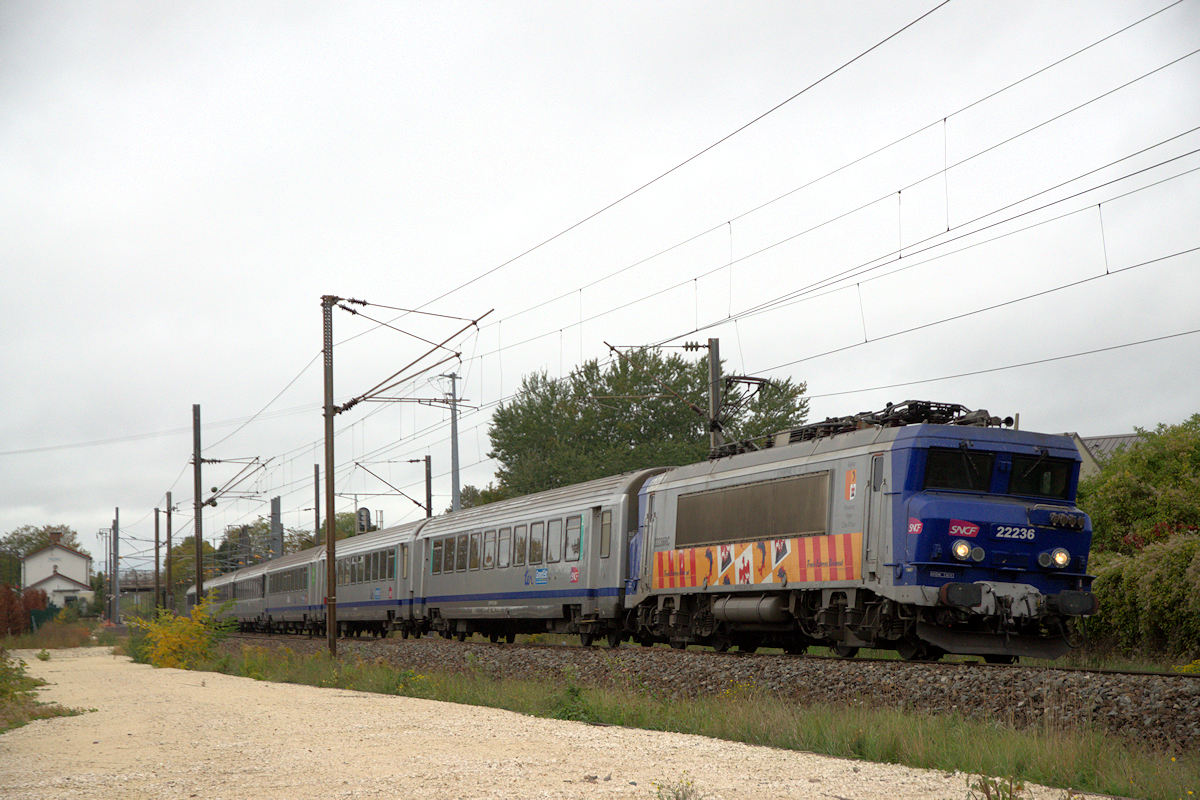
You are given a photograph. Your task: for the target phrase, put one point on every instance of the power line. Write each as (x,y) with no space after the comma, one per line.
(844,166)
(1035,362)
(685,162)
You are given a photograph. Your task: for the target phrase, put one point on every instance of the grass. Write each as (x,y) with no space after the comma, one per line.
(54,635)
(18,700)
(1086,761)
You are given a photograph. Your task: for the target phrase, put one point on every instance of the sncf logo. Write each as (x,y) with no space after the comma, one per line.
(960,528)
(915,525)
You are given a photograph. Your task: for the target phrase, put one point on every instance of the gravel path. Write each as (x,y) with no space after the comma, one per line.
(164,733)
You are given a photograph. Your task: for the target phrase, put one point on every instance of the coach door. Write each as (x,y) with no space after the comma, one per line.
(876,526)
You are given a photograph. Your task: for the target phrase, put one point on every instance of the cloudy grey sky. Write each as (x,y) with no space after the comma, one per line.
(180,183)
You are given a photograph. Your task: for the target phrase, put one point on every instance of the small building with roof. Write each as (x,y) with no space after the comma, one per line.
(1095,450)
(62,572)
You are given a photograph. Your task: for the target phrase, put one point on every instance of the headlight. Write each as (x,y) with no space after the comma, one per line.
(1060,557)
(961,549)
(977,553)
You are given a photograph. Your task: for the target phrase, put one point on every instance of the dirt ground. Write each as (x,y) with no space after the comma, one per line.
(165,733)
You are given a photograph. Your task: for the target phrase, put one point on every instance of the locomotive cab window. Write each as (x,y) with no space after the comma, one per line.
(959,469)
(1041,476)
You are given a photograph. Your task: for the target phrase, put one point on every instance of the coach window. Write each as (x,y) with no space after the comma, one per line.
(460,553)
(605,533)
(435,560)
(489,549)
(448,552)
(553,540)
(504,547)
(537,538)
(476,541)
(574,535)
(519,546)
(392,562)
(373,567)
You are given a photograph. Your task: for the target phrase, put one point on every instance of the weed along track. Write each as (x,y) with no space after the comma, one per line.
(1162,711)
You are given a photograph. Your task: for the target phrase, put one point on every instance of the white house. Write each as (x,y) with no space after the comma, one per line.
(63,573)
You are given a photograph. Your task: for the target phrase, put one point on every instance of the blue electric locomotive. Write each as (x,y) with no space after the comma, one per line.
(924,528)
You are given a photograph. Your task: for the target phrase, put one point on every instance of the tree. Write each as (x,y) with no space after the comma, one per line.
(1147,492)
(345,525)
(600,422)
(243,545)
(30,538)
(183,566)
(472,496)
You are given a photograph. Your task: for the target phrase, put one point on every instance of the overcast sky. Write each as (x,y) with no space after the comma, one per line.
(181,183)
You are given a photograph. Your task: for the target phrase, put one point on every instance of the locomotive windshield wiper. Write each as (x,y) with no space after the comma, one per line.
(971,469)
(1041,457)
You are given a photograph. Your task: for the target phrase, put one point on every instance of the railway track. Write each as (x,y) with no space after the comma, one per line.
(971,664)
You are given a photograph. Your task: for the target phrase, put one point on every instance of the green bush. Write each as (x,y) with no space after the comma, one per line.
(1149,601)
(1146,493)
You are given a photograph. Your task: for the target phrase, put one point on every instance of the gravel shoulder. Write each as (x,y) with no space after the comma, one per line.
(165,733)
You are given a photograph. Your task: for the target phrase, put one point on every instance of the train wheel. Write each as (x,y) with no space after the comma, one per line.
(614,639)
(844,651)
(793,649)
(461,636)
(720,645)
(586,638)
(404,633)
(510,637)
(493,637)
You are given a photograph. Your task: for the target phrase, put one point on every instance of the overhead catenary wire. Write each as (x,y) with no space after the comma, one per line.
(687,160)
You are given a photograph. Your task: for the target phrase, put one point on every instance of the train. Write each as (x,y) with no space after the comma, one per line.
(925,528)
